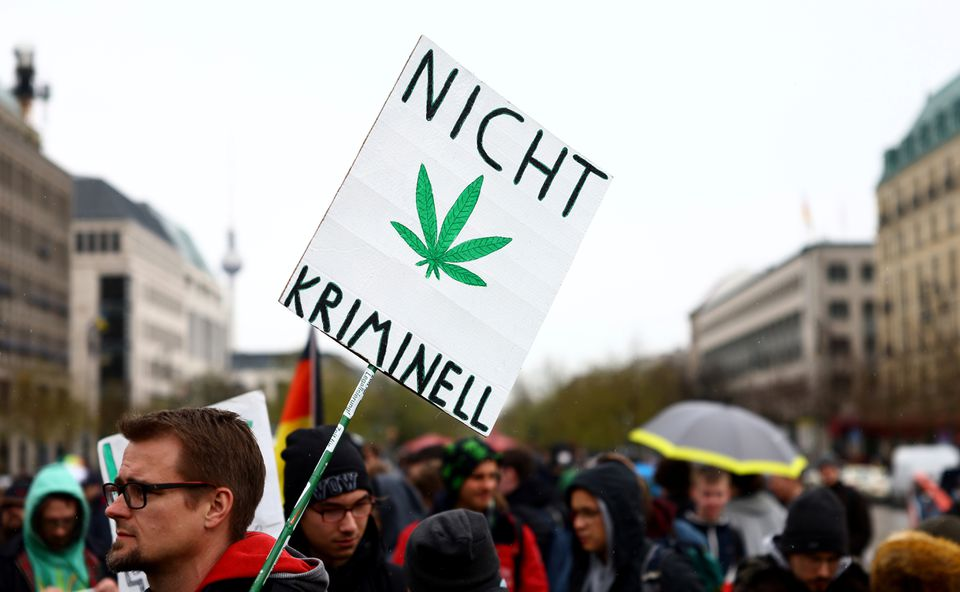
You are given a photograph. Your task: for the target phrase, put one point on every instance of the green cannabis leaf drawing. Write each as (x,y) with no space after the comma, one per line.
(435,249)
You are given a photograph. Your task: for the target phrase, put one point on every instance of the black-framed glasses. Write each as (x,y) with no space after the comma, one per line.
(360,510)
(135,494)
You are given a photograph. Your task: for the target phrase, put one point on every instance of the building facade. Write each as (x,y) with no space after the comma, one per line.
(795,342)
(35,201)
(918,245)
(147,315)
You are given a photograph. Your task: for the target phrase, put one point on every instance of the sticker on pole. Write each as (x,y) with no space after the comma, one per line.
(447,241)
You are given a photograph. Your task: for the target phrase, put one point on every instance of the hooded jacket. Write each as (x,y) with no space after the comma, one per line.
(616,486)
(914,560)
(27,563)
(239,565)
(757,516)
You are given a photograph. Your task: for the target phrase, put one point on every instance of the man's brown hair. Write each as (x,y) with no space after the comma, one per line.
(710,475)
(218,448)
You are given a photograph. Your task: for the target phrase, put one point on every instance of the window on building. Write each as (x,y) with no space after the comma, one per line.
(6,228)
(6,172)
(81,244)
(866,273)
(839,346)
(104,244)
(115,242)
(6,283)
(840,382)
(837,273)
(868,309)
(25,184)
(870,345)
(839,309)
(953,269)
(26,237)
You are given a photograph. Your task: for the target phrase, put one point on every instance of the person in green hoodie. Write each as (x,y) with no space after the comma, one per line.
(51,553)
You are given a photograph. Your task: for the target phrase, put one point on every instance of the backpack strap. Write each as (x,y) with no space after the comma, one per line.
(650,569)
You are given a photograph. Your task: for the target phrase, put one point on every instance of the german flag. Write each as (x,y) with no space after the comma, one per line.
(303,407)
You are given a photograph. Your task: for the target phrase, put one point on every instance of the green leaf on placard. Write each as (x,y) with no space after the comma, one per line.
(426,208)
(475,248)
(458,215)
(462,274)
(411,239)
(435,250)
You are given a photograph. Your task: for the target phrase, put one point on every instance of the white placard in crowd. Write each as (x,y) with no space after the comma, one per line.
(446,243)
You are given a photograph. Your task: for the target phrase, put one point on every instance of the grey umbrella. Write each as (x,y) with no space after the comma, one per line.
(724,436)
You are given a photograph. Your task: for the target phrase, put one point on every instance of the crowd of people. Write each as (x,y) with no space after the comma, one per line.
(455,517)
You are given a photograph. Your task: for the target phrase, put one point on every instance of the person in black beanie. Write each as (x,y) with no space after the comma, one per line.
(811,554)
(337,526)
(453,552)
(470,473)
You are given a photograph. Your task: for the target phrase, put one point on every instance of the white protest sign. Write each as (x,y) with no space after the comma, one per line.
(268,518)
(446,243)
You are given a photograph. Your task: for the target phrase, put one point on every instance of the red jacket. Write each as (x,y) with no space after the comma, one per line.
(241,562)
(532,577)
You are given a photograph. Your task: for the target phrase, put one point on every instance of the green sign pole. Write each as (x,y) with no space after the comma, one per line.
(307,493)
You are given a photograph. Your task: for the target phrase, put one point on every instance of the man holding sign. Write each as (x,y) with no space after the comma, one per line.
(183,499)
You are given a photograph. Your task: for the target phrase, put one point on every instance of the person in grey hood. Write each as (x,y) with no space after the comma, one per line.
(610,551)
(755,513)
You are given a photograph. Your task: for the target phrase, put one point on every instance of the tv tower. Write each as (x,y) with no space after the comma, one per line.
(232,264)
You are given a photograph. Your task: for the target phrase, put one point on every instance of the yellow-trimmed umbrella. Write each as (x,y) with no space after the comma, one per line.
(723,436)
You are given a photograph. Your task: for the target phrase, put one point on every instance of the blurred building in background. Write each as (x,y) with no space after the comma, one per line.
(918,245)
(269,372)
(35,197)
(795,342)
(147,315)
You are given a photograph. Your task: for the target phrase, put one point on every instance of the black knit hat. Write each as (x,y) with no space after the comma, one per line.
(345,472)
(460,458)
(453,552)
(816,522)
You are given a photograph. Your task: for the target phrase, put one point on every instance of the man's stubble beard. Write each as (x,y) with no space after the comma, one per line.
(118,560)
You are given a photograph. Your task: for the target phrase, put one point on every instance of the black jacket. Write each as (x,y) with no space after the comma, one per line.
(617,486)
(366,571)
(858,517)
(768,573)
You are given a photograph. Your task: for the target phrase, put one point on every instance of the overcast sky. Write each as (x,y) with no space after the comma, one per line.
(716,119)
